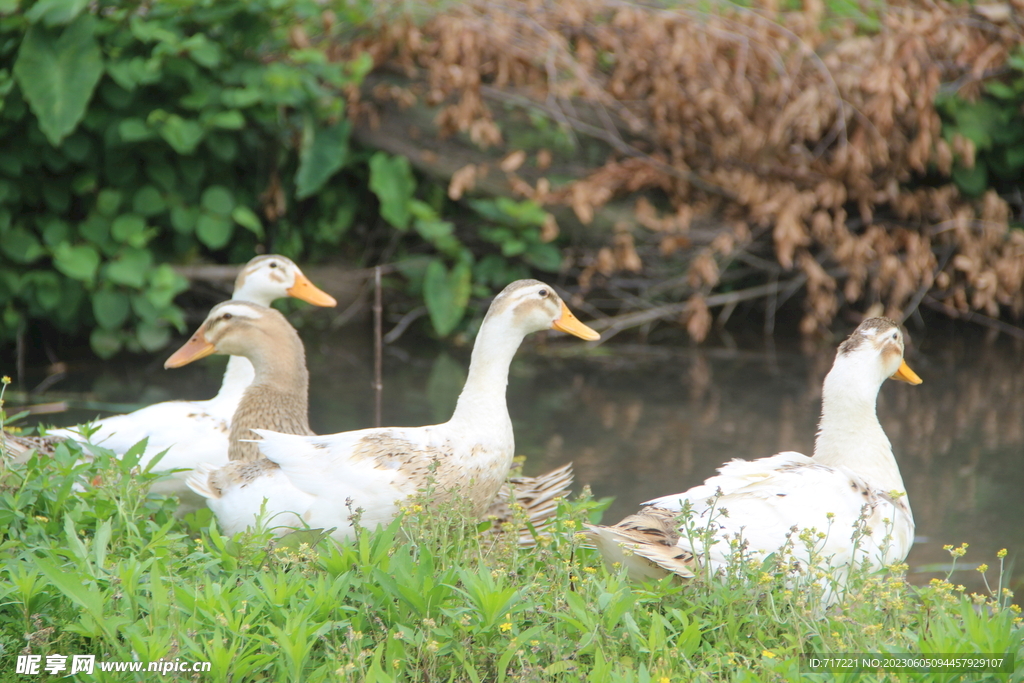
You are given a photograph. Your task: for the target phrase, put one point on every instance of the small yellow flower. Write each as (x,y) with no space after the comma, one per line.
(835,634)
(768,653)
(42,518)
(982,568)
(1001,554)
(417,508)
(664,679)
(534,643)
(570,523)
(506,627)
(590,570)
(6,379)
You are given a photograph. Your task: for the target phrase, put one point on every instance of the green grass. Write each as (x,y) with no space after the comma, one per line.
(109,570)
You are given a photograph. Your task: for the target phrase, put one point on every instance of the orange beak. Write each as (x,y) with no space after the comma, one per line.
(568,323)
(195,348)
(310,293)
(905,374)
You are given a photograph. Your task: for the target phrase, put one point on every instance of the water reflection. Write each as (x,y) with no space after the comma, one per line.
(640,422)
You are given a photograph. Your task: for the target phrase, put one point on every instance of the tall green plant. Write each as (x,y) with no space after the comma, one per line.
(995,124)
(135,133)
(449,276)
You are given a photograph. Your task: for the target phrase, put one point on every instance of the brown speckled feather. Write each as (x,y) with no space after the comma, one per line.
(537,496)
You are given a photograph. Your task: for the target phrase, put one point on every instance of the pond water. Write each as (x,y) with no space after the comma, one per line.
(645,421)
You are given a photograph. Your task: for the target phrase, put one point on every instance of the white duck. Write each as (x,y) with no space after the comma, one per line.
(319,480)
(853,471)
(197,431)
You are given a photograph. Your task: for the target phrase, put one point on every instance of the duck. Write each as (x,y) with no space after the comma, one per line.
(850,490)
(303,480)
(18,448)
(194,432)
(534,499)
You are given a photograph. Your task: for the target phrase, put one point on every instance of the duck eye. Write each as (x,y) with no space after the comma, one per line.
(226,316)
(273,264)
(543,293)
(895,335)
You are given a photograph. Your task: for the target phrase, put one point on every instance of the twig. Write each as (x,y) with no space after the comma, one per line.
(403,324)
(616,324)
(973,317)
(773,301)
(378,346)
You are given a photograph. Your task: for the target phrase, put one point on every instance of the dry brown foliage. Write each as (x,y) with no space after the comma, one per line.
(811,138)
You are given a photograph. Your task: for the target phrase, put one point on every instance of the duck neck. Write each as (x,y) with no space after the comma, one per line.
(482,401)
(849,434)
(239,373)
(277,399)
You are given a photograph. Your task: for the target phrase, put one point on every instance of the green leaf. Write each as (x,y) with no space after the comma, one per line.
(324,152)
(110,308)
(131,73)
(127,226)
(104,343)
(164,285)
(108,202)
(21,246)
(446,295)
(543,257)
(444,384)
(183,218)
(1015,157)
(58,75)
(148,201)
(202,50)
(96,229)
(181,134)
(392,181)
(241,97)
(245,217)
(972,181)
(229,120)
(78,263)
(55,12)
(218,199)
(152,336)
(45,286)
(54,230)
(131,267)
(214,231)
(134,130)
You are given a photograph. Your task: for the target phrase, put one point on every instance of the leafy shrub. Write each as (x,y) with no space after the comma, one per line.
(135,132)
(515,228)
(994,124)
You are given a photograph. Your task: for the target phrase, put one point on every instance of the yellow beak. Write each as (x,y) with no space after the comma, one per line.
(905,374)
(310,293)
(568,323)
(195,348)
